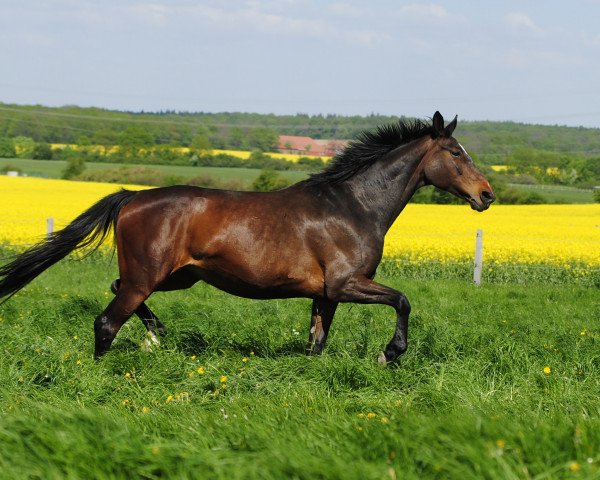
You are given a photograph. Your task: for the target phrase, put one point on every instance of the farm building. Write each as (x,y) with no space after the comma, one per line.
(298,145)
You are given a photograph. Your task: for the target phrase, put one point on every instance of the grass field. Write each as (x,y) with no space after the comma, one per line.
(53,169)
(499,382)
(558,194)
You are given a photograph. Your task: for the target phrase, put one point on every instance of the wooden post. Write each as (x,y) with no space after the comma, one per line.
(478,267)
(49,227)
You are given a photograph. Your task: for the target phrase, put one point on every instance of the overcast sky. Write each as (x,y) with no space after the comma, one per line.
(532,61)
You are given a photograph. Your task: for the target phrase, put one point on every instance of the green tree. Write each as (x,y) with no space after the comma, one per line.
(269,180)
(42,151)
(263,139)
(75,167)
(24,146)
(133,139)
(7,148)
(201,146)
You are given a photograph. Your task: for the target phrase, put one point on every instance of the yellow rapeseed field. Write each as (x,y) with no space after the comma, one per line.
(243,154)
(560,235)
(26,203)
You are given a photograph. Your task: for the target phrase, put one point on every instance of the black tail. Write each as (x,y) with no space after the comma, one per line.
(89,228)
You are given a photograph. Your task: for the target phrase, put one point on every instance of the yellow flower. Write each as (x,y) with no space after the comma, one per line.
(78,362)
(223,378)
(145,409)
(385,420)
(155,450)
(193,357)
(200,370)
(574,467)
(245,359)
(360,415)
(127,375)
(169,399)
(547,370)
(125,402)
(371,415)
(500,443)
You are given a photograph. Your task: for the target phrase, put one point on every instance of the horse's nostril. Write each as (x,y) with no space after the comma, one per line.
(487,196)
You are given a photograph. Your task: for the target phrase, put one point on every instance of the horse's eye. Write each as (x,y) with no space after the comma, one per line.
(455,154)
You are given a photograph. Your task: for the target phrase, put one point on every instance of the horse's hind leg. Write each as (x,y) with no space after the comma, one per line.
(320,321)
(108,323)
(147,316)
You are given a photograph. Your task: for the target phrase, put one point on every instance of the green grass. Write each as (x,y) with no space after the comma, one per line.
(469,399)
(558,194)
(54,168)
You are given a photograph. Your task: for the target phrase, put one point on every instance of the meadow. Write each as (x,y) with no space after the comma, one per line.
(53,169)
(499,382)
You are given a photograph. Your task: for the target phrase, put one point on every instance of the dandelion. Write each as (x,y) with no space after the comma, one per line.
(251,354)
(223,378)
(574,467)
(547,370)
(200,370)
(75,337)
(78,362)
(385,420)
(360,415)
(245,359)
(583,333)
(193,357)
(501,443)
(126,402)
(371,415)
(127,375)
(169,399)
(145,409)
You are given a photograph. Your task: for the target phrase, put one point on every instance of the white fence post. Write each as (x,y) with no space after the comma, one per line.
(49,227)
(478,266)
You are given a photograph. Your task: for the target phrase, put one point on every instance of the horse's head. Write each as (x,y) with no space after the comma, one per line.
(448,166)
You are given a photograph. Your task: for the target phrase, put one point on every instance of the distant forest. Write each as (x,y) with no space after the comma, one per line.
(533,153)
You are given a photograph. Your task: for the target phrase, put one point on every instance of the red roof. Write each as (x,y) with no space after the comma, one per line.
(309,146)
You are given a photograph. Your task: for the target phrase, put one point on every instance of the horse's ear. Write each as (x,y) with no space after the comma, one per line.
(438,125)
(450,127)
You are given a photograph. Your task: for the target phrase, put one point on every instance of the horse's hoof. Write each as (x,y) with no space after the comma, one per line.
(150,341)
(381,360)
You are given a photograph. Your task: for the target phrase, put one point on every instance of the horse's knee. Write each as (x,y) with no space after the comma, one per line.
(403,305)
(114,286)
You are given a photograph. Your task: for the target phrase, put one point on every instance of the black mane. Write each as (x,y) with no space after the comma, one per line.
(367,148)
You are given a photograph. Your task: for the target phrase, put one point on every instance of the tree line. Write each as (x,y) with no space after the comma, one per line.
(532,153)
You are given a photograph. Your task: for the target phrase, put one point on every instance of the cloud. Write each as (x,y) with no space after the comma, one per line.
(251,15)
(522,23)
(431,13)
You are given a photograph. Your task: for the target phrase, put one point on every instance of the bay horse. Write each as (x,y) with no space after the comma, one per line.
(321,238)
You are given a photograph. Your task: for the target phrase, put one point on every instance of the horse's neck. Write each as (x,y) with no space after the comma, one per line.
(384,189)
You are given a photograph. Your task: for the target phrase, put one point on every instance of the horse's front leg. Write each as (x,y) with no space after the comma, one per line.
(320,321)
(361,289)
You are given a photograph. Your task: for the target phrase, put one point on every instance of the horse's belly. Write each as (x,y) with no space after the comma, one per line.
(259,285)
